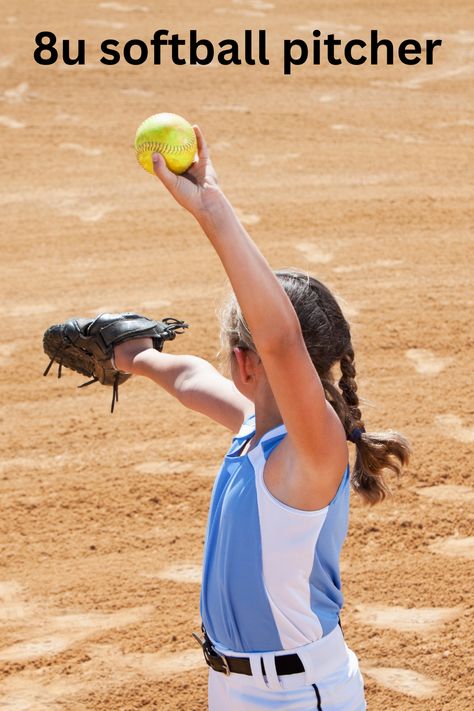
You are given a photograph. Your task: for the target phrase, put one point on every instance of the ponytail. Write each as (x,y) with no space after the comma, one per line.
(376,451)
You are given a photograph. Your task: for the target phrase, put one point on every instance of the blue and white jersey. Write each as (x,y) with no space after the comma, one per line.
(271,572)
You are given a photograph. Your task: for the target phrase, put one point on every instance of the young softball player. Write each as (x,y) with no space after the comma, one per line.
(271,593)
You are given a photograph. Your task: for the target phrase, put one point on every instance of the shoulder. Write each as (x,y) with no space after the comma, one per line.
(302,486)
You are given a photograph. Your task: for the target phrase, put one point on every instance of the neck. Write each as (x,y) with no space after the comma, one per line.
(267,415)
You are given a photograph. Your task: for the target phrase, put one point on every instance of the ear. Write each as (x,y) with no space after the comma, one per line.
(245,365)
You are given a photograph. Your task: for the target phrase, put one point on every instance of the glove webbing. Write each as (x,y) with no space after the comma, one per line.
(175,327)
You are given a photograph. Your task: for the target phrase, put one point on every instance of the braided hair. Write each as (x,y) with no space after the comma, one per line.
(328,340)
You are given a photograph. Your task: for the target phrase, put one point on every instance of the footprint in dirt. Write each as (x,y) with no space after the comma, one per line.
(234,108)
(28,692)
(426,362)
(378,264)
(38,462)
(47,633)
(404,619)
(86,213)
(154,665)
(10,309)
(254,9)
(452,426)
(40,690)
(13,605)
(455,493)
(247,218)
(105,23)
(336,27)
(18,94)
(313,254)
(63,118)
(179,573)
(7,351)
(9,122)
(404,681)
(135,91)
(221,146)
(164,468)
(6,61)
(455,547)
(122,7)
(78,148)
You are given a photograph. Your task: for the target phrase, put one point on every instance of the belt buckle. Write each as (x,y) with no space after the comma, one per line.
(213,659)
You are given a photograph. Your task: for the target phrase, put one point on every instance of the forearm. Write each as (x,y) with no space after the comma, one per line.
(137,356)
(266,307)
(193,381)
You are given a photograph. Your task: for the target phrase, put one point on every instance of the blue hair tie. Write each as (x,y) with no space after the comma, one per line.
(356,434)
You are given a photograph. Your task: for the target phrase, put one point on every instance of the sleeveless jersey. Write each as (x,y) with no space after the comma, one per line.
(271,572)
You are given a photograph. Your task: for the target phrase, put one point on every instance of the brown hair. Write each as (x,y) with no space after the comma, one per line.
(328,339)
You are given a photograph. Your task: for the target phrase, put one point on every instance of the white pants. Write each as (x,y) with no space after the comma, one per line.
(331,681)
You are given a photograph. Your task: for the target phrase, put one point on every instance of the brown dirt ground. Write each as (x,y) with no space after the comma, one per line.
(361,175)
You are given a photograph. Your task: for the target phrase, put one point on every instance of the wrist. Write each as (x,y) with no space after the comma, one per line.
(216,208)
(126,354)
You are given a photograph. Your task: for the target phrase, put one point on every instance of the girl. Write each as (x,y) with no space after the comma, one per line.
(271,593)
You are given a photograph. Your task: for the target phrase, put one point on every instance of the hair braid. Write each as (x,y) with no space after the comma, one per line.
(376,452)
(348,387)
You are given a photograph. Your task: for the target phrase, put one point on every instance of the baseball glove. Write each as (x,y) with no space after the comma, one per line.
(87,345)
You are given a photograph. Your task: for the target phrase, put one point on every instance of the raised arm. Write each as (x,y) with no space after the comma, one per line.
(314,429)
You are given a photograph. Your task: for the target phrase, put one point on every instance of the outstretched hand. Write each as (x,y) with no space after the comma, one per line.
(197,190)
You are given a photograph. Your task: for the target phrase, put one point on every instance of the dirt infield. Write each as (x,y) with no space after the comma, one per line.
(362,175)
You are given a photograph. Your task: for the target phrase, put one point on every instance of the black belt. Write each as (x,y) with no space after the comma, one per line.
(284,664)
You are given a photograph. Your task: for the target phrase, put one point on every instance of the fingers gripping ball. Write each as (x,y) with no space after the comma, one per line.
(168,134)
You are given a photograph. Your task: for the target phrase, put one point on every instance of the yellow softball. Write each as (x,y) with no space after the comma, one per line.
(168,134)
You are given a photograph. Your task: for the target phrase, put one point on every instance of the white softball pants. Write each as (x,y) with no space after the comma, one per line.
(331,681)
